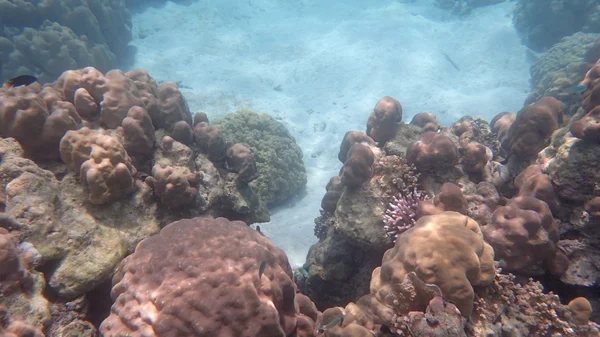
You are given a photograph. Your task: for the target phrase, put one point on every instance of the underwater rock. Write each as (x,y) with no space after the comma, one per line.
(21,288)
(339,271)
(52,216)
(572,165)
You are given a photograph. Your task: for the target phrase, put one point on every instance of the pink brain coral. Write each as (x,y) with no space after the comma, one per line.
(200,277)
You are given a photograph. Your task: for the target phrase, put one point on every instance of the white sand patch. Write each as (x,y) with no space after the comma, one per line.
(320,68)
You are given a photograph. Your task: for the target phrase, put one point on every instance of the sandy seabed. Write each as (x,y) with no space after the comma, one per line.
(319,67)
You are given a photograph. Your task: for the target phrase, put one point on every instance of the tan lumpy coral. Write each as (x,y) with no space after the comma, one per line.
(31,110)
(582,310)
(138,132)
(588,126)
(381,125)
(175,186)
(101,162)
(524,236)
(533,127)
(447,250)
(358,167)
(501,123)
(241,161)
(432,152)
(109,97)
(426,121)
(351,138)
(201,277)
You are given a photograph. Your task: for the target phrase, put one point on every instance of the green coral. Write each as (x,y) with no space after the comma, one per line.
(281,171)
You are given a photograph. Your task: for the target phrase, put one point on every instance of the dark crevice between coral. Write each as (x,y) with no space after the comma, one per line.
(567,292)
(100,302)
(48,268)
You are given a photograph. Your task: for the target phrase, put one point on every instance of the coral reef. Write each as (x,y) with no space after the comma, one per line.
(45,38)
(281,172)
(507,307)
(542,23)
(558,71)
(76,195)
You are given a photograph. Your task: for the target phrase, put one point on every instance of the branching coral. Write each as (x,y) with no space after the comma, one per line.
(401,213)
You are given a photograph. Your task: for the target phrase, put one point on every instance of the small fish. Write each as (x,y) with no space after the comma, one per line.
(451,61)
(333,322)
(303,272)
(385,329)
(19,81)
(577,88)
(261,268)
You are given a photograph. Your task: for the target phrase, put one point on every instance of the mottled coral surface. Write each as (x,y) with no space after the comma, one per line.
(200,277)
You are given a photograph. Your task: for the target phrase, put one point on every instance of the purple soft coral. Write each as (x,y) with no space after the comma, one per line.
(402,213)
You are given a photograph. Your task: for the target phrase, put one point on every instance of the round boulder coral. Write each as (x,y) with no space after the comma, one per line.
(281,171)
(207,278)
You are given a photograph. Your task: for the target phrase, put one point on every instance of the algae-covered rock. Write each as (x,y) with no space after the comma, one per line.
(572,164)
(80,244)
(281,171)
